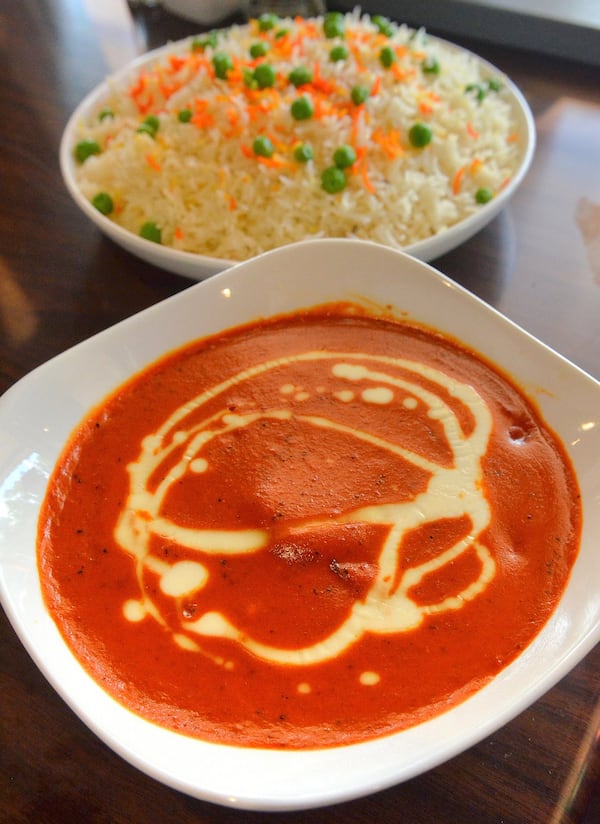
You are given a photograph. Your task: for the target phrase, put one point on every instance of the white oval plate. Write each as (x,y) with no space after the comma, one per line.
(38,414)
(197,266)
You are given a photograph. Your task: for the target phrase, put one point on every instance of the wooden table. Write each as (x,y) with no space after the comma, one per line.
(61,281)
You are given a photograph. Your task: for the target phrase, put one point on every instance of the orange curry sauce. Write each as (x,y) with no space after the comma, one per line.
(307,531)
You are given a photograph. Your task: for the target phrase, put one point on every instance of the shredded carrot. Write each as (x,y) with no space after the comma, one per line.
(472,131)
(253,111)
(376,86)
(176,62)
(512,138)
(246,150)
(144,106)
(147,106)
(309,27)
(290,43)
(389,142)
(456,183)
(232,203)
(198,61)
(400,73)
(358,36)
(236,74)
(425,108)
(319,107)
(138,87)
(366,180)
(320,83)
(283,46)
(274,162)
(260,103)
(279,144)
(361,167)
(153,162)
(141,92)
(178,233)
(361,153)
(355,49)
(203,120)
(169,89)
(340,110)
(476,164)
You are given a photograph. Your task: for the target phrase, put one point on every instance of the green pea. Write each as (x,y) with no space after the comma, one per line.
(359,94)
(333,24)
(267,21)
(302,109)
(249,79)
(103,202)
(387,57)
(149,125)
(338,53)
(420,135)
(259,49)
(201,43)
(150,231)
(222,64)
(383,25)
(85,149)
(483,195)
(300,76)
(106,114)
(303,153)
(431,65)
(333,180)
(265,75)
(344,157)
(184,116)
(477,89)
(152,121)
(263,147)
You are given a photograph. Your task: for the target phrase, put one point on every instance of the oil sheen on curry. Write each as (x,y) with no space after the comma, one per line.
(307,531)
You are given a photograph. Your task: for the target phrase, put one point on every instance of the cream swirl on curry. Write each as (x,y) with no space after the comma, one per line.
(453,491)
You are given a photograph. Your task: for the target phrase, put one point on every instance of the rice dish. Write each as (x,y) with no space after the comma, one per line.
(247,138)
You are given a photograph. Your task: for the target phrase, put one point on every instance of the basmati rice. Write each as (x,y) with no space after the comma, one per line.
(194,174)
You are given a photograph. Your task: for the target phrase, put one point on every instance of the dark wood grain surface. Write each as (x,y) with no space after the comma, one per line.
(61,281)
